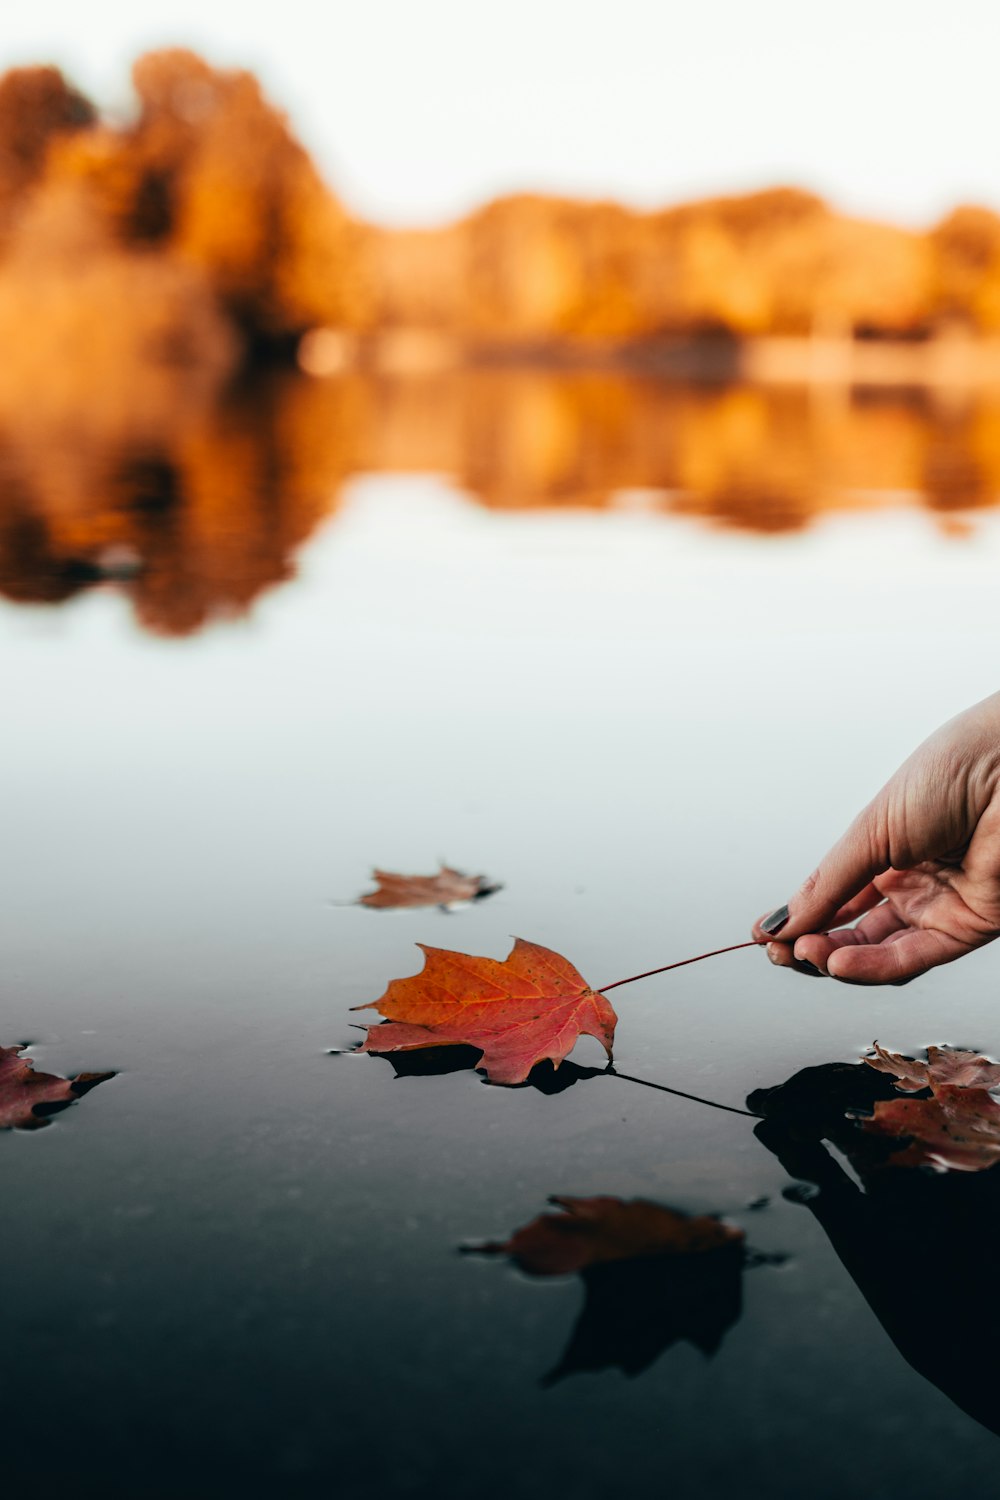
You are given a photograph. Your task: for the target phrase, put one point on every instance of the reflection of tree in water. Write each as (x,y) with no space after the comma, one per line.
(193,515)
(920,1246)
(195,502)
(963,461)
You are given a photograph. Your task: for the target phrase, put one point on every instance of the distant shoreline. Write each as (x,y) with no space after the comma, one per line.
(948,360)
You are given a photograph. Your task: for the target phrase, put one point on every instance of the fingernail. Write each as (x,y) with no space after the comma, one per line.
(775,922)
(803,966)
(897,984)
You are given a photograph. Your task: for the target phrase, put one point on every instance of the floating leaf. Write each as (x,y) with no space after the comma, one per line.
(447,888)
(519,1011)
(944,1065)
(27,1097)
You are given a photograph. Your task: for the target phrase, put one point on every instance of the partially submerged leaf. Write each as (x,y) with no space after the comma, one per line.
(957,1129)
(519,1011)
(596,1231)
(447,888)
(27,1097)
(944,1065)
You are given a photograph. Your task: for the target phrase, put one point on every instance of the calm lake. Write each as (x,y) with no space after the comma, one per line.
(636,652)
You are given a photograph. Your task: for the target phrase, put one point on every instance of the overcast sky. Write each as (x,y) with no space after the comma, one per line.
(418,109)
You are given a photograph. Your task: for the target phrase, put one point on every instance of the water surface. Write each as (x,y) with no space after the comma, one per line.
(232,1270)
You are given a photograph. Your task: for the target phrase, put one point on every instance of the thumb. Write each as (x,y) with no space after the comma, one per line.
(840,888)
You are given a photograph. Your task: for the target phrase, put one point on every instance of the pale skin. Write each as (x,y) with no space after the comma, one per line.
(919,866)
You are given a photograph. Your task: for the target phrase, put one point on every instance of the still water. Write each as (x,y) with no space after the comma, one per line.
(233,1269)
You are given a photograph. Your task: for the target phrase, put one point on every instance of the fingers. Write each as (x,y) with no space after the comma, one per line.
(878,925)
(782,957)
(881,949)
(902,955)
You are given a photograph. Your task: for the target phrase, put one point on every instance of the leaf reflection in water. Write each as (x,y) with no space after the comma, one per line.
(652,1276)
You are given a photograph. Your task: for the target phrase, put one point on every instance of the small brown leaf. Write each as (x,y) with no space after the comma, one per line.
(531,1006)
(27,1097)
(944,1065)
(597,1231)
(957,1130)
(447,888)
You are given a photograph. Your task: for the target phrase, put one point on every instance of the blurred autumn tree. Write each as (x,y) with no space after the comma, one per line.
(534,270)
(146,264)
(966,249)
(37,105)
(208,180)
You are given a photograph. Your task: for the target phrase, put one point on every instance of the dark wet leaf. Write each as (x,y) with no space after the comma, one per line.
(447,888)
(517,1012)
(956,1130)
(27,1098)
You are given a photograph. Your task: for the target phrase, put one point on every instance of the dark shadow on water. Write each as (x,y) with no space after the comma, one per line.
(921,1246)
(634,1310)
(431,1062)
(435,1062)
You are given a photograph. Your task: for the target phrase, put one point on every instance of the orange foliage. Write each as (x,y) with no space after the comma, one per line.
(209,180)
(37,106)
(207,184)
(192,504)
(141,265)
(531,270)
(242,199)
(966,249)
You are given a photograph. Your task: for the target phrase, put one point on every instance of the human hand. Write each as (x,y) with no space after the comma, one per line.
(920,866)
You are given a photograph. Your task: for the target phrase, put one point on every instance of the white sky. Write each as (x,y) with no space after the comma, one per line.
(418,109)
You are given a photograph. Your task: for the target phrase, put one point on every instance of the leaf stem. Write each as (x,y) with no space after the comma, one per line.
(733,947)
(696,1098)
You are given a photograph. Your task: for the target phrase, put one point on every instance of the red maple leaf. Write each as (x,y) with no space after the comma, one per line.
(597,1231)
(447,888)
(27,1097)
(530,1006)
